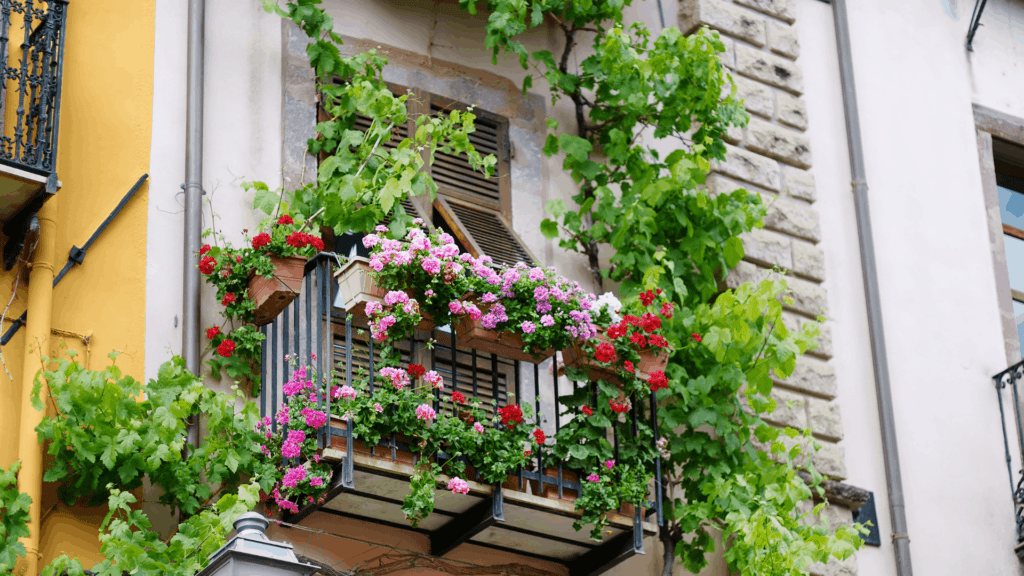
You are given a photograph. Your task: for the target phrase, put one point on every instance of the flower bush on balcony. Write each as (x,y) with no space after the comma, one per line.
(301,478)
(427,262)
(235,345)
(548,311)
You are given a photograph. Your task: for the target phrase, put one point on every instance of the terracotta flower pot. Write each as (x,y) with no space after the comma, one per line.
(379,452)
(472,334)
(273,294)
(651,360)
(551,490)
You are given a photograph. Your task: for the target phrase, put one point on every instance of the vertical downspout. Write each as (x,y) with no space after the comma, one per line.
(193,192)
(893,479)
(37,344)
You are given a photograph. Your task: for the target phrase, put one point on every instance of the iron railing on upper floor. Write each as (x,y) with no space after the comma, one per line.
(1012,378)
(32,53)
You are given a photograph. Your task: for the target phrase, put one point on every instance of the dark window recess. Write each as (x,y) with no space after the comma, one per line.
(867,516)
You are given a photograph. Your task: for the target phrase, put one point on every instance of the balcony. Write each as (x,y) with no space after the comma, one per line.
(531,514)
(32,50)
(1012,378)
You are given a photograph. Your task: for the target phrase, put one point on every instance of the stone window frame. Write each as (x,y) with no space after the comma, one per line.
(994,124)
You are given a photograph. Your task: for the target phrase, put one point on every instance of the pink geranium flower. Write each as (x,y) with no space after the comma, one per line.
(425,412)
(458,486)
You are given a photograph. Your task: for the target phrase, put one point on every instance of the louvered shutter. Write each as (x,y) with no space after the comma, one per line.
(469,202)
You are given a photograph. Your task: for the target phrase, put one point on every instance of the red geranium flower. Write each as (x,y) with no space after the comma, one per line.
(226,348)
(657,341)
(458,397)
(638,339)
(297,239)
(647,297)
(631,320)
(285,220)
(667,308)
(620,407)
(260,240)
(229,298)
(415,370)
(616,330)
(204,249)
(511,415)
(629,365)
(650,322)
(315,241)
(539,436)
(587,411)
(206,265)
(657,380)
(696,337)
(212,332)
(605,352)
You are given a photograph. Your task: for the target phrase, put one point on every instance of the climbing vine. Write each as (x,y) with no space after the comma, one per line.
(651,112)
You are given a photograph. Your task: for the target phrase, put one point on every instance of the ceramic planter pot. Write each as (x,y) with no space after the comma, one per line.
(273,294)
(472,334)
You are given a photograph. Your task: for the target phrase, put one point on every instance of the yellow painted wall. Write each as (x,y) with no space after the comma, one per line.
(104,146)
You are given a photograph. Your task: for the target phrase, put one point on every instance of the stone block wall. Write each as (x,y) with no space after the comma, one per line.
(772,156)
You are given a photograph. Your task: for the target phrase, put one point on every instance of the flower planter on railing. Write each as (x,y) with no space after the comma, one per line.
(651,360)
(472,334)
(550,490)
(356,287)
(273,294)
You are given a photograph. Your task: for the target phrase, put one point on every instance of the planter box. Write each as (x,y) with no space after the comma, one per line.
(402,456)
(273,294)
(356,287)
(651,360)
(472,334)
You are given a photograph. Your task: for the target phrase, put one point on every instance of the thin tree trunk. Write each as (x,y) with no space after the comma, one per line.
(669,552)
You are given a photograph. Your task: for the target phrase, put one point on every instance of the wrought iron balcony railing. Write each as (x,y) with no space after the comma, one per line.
(1012,378)
(366,478)
(32,50)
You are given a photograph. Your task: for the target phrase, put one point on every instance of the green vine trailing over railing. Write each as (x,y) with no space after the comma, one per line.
(633,95)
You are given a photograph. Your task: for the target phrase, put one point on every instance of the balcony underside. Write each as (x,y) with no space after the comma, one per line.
(18,188)
(508,520)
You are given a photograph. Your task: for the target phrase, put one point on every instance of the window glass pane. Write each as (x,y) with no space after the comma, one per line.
(1018,313)
(1011,207)
(1015,261)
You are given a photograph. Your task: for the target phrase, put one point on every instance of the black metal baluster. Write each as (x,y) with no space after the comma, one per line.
(657,461)
(536,402)
(273,374)
(263,373)
(347,473)
(554,377)
(286,341)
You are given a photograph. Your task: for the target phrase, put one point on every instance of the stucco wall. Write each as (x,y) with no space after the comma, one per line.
(915,86)
(103,148)
(242,141)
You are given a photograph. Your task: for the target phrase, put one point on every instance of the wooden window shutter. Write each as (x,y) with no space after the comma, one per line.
(476,208)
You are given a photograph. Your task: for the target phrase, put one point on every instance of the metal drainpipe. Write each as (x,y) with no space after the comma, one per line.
(37,344)
(894,482)
(193,192)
